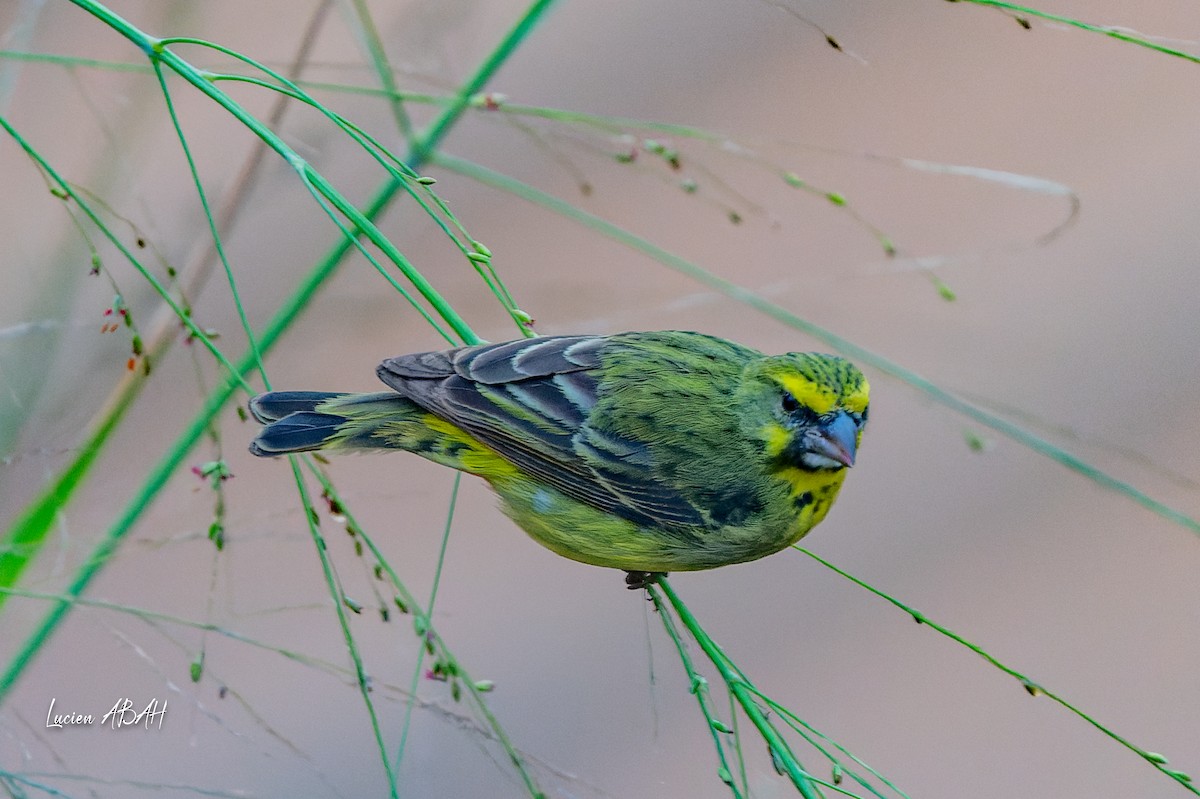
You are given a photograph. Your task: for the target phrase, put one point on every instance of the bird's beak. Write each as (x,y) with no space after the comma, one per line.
(837,440)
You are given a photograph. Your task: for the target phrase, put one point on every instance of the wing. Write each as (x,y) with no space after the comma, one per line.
(530,401)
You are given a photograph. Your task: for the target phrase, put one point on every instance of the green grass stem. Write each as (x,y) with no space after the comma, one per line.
(44,510)
(741,689)
(699,688)
(1032,688)
(434,643)
(1120,34)
(361,679)
(383,68)
(29,530)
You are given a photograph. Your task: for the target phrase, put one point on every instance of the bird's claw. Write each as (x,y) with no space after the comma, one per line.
(638,580)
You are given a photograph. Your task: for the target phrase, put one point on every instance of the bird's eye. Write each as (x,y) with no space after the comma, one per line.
(789,404)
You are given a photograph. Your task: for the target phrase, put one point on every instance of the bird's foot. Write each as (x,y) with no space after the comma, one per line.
(637,580)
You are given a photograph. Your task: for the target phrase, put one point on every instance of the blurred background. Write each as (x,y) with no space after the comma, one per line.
(1081,326)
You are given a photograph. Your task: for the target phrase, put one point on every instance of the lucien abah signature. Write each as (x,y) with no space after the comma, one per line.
(124,713)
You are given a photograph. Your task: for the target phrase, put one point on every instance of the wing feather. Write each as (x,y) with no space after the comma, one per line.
(530,401)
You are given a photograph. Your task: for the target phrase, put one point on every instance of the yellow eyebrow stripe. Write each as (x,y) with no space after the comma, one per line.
(820,400)
(857,401)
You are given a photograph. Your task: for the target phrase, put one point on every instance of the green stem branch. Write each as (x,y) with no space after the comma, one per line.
(741,689)
(427,143)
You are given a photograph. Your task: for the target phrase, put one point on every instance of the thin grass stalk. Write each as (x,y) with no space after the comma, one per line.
(47,506)
(741,689)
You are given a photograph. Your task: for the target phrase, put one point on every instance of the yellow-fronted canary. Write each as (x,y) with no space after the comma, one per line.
(647,452)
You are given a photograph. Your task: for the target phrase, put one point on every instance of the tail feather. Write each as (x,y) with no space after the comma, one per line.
(275,405)
(301,421)
(297,432)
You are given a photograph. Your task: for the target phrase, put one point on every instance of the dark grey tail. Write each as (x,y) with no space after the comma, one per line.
(292,422)
(274,405)
(301,421)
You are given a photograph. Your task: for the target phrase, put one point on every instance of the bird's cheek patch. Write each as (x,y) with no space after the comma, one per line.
(777,438)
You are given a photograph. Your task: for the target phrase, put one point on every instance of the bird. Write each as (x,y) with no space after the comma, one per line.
(648,452)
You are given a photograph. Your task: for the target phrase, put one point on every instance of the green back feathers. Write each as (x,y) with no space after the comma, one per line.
(672,393)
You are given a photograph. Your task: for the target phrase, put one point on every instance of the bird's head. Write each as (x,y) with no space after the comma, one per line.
(807,409)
